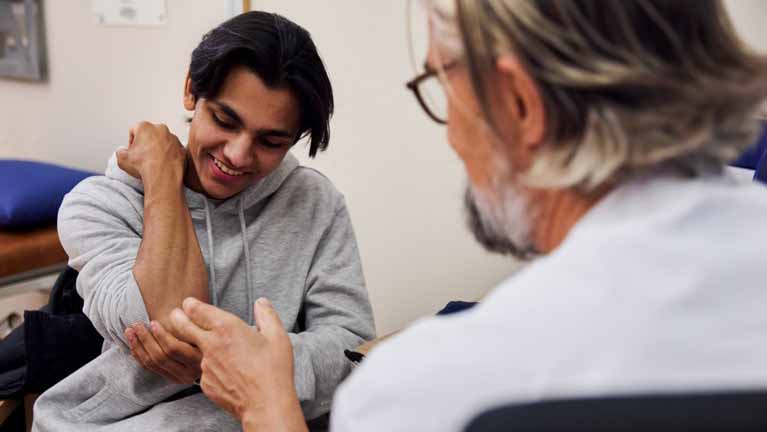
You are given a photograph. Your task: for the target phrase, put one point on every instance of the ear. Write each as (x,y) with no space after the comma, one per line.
(189,100)
(526,100)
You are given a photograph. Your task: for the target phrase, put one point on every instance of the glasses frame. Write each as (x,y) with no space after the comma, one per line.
(414,86)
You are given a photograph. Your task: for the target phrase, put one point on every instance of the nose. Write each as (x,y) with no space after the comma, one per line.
(239,152)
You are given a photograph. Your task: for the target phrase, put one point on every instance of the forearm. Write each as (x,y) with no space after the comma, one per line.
(169,266)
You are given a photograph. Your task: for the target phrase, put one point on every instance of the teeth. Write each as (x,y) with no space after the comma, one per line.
(226,170)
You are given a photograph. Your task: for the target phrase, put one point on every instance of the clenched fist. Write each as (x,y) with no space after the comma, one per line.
(152,150)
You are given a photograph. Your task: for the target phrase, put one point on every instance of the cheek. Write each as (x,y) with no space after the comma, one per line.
(458,131)
(268,161)
(472,146)
(204,137)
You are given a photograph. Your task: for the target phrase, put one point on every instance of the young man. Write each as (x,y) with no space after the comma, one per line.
(230,218)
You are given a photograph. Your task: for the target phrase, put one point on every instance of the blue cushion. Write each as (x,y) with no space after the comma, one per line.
(31,192)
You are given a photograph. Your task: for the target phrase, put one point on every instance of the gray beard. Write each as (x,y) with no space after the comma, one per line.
(504,229)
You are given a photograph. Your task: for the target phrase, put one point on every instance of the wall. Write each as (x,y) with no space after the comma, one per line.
(101,81)
(402,183)
(750,17)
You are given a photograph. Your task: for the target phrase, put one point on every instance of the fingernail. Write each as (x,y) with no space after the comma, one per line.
(154,326)
(263,301)
(189,301)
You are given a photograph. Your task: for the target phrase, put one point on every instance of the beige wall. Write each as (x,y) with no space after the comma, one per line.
(750,18)
(403,184)
(102,80)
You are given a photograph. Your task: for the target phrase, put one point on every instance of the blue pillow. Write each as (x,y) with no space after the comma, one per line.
(31,192)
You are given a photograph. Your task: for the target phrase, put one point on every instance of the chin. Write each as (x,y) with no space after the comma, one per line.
(500,227)
(215,191)
(223,195)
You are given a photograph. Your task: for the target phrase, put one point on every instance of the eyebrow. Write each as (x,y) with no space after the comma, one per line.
(278,133)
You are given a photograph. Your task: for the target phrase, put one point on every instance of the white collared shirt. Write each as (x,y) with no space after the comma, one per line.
(661,287)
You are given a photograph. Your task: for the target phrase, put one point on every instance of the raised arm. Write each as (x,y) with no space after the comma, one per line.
(169,266)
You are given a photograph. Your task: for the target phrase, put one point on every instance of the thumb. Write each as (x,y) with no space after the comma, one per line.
(267,320)
(122,155)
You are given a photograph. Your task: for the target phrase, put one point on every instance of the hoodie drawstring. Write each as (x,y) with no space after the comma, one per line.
(212,278)
(249,287)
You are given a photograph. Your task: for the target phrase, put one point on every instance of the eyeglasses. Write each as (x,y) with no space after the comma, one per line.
(430,93)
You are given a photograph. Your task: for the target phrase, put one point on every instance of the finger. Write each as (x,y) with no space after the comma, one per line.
(168,366)
(142,358)
(139,353)
(204,315)
(161,362)
(155,351)
(185,330)
(267,320)
(131,137)
(176,349)
(132,132)
(138,128)
(130,335)
(123,162)
(122,157)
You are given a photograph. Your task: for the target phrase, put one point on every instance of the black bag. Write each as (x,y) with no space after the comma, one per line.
(52,343)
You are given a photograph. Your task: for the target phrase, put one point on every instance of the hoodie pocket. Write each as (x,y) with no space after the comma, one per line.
(83,412)
(104,406)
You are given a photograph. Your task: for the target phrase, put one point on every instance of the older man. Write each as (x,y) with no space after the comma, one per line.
(594,135)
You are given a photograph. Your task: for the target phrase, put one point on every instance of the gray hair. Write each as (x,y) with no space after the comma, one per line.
(627,86)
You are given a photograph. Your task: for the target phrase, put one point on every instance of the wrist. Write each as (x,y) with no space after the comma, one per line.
(162,181)
(156,170)
(284,415)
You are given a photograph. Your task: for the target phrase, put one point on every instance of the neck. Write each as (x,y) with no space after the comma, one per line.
(557,213)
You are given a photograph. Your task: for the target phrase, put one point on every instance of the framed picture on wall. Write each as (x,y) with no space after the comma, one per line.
(22,47)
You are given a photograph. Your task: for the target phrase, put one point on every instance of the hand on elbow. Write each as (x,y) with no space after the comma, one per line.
(246,371)
(160,352)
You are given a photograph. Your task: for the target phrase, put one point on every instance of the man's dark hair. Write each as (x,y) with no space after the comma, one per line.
(281,53)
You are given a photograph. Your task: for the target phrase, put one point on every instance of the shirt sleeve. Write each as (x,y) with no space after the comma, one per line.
(337,316)
(102,246)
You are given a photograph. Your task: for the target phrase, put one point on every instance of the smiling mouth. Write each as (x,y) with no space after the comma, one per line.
(225,169)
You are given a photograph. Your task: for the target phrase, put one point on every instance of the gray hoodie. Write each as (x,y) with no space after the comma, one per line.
(288,238)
